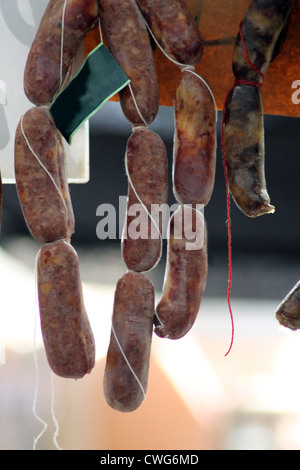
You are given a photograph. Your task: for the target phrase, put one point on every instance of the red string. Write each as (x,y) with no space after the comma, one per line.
(247,82)
(237,82)
(247,55)
(228,225)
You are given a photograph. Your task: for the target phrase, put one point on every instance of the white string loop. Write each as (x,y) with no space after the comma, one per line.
(34,405)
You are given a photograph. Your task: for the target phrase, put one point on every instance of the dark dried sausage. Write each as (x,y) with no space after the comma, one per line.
(243,110)
(245,150)
(288,311)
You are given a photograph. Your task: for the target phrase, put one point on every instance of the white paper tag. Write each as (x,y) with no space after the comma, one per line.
(19,21)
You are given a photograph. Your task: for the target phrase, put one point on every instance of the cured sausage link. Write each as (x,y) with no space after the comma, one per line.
(41,179)
(260,31)
(128,41)
(174,29)
(128,356)
(67,335)
(245,149)
(194,150)
(243,110)
(146,166)
(185,275)
(288,311)
(63,28)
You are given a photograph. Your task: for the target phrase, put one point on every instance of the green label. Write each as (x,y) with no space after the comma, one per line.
(99,78)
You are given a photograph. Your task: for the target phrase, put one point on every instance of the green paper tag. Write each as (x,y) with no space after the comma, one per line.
(99,78)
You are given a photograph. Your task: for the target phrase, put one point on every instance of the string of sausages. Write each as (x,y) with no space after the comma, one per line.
(42,187)
(146,169)
(41,178)
(243,127)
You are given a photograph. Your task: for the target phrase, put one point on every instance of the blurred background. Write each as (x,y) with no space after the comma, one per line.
(197,398)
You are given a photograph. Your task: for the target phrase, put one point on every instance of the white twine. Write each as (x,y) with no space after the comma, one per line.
(187,69)
(42,165)
(161,325)
(44,424)
(62,44)
(136,105)
(38,418)
(34,405)
(128,363)
(100,29)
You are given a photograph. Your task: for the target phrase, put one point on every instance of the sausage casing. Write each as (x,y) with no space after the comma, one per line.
(146,165)
(245,150)
(67,335)
(260,29)
(128,40)
(174,29)
(41,179)
(128,356)
(194,150)
(44,71)
(243,113)
(288,311)
(185,276)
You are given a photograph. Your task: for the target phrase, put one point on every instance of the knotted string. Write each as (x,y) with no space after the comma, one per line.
(236,82)
(37,378)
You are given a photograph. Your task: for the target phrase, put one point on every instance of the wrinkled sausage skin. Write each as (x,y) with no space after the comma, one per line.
(146,164)
(245,150)
(261,28)
(174,29)
(288,311)
(194,150)
(41,179)
(42,77)
(128,40)
(125,383)
(253,52)
(185,275)
(67,335)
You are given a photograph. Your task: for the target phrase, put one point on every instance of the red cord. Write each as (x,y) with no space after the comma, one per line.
(247,55)
(228,225)
(237,82)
